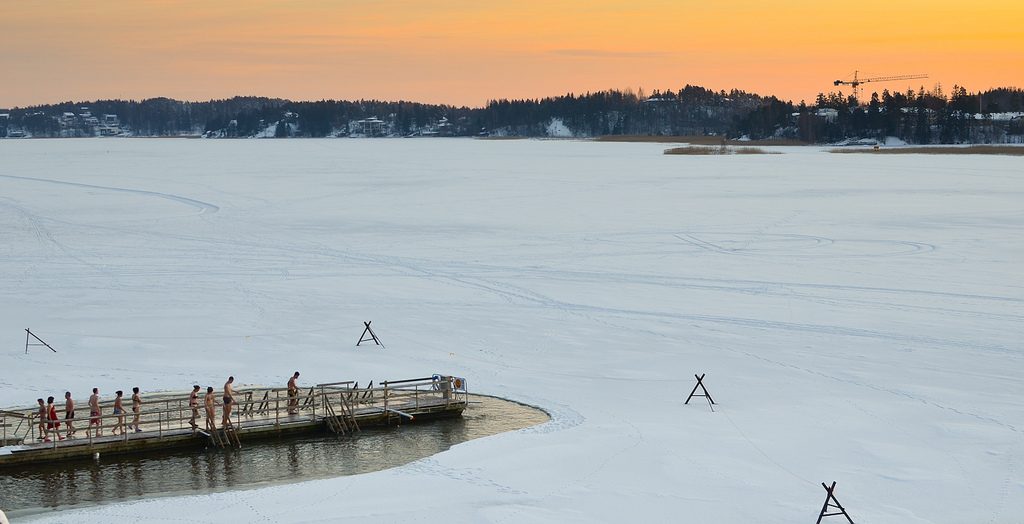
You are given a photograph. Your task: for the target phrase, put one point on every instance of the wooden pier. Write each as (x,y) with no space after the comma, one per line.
(341,408)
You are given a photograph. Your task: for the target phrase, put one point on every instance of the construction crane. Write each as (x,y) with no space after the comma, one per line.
(856,82)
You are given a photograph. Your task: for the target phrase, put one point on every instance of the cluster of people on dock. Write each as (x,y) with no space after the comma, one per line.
(49,422)
(210,403)
(228,400)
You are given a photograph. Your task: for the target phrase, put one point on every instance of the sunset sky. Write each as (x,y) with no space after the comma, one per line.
(465,52)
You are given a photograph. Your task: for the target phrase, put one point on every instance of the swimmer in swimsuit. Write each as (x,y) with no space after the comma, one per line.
(293,395)
(193,403)
(229,399)
(136,409)
(69,414)
(119,411)
(43,415)
(210,401)
(51,416)
(94,413)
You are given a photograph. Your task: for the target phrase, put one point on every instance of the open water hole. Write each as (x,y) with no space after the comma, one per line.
(67,484)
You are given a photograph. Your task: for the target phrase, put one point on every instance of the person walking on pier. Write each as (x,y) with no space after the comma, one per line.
(293,395)
(193,403)
(52,424)
(43,415)
(136,410)
(69,414)
(229,399)
(209,401)
(94,413)
(119,411)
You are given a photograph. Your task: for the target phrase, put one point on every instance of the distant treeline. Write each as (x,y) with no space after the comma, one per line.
(920,117)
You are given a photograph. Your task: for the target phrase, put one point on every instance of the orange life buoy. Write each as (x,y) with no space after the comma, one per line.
(458,383)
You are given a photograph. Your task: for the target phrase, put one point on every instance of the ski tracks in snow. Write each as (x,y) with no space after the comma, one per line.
(792,245)
(1004,488)
(471,275)
(45,237)
(981,417)
(203,207)
(473,476)
(763,453)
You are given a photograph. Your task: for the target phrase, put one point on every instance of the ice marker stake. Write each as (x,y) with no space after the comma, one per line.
(831,502)
(373,336)
(29,333)
(700,384)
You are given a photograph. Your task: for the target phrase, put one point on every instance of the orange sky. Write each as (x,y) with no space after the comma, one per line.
(468,51)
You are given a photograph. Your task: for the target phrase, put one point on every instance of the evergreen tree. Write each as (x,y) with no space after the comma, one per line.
(922,131)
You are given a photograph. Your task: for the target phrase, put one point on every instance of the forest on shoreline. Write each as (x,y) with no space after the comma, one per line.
(916,117)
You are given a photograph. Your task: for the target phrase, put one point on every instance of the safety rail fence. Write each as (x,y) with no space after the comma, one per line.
(408,393)
(165,414)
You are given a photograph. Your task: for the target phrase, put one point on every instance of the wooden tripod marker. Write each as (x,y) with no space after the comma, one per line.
(831,502)
(373,336)
(700,384)
(29,333)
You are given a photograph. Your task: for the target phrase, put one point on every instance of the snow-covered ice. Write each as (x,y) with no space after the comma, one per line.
(859,317)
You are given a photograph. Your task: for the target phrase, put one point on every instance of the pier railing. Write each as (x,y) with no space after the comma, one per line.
(170,413)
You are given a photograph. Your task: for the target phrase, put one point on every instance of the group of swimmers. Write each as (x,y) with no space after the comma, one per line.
(210,401)
(49,423)
(228,400)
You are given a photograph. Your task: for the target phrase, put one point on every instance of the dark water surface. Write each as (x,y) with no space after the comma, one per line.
(273,461)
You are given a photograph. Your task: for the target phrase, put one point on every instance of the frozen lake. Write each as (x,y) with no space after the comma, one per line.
(859,317)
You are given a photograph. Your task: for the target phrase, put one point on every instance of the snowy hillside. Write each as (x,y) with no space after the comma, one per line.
(859,317)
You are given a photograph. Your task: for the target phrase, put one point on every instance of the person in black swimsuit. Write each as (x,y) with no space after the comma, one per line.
(229,399)
(69,414)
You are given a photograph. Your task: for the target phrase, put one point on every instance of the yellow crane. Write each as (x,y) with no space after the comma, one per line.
(856,82)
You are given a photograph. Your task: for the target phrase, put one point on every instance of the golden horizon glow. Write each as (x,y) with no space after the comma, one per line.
(463,52)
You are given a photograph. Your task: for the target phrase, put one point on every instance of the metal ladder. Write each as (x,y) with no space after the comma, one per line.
(231,435)
(213,434)
(344,424)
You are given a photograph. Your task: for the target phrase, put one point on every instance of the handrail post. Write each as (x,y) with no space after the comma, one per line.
(160,425)
(277,409)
